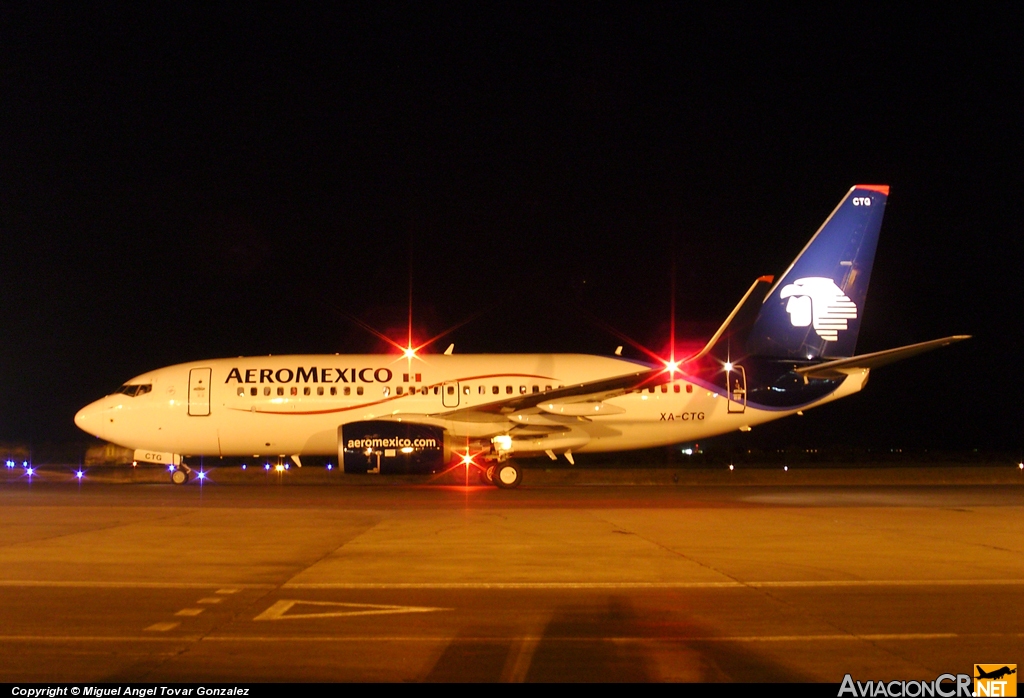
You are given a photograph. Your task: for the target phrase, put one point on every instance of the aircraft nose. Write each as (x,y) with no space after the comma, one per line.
(87,419)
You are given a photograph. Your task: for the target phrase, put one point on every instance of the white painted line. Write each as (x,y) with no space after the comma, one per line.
(279,611)
(209,599)
(162,627)
(228,591)
(189,612)
(657,585)
(221,588)
(894,637)
(85,584)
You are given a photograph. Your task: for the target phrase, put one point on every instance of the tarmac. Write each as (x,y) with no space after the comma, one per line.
(579,575)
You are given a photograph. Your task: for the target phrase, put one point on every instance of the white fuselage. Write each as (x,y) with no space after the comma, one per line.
(293,405)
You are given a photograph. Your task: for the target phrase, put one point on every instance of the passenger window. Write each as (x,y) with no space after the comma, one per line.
(387,391)
(689,388)
(253,391)
(348,391)
(436,389)
(651,389)
(359,390)
(480,390)
(536,389)
(294,390)
(398,390)
(280,391)
(522,390)
(547,388)
(241,391)
(320,390)
(465,390)
(334,390)
(664,388)
(305,391)
(412,389)
(266,391)
(494,389)
(451,389)
(508,389)
(675,388)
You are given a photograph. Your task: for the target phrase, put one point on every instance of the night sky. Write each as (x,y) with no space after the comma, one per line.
(187,182)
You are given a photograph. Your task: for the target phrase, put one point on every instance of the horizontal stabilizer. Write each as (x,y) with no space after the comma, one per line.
(838,368)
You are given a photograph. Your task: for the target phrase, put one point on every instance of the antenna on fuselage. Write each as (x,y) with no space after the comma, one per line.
(618,350)
(449,350)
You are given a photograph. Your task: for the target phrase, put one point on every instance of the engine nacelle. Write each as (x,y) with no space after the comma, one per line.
(379,446)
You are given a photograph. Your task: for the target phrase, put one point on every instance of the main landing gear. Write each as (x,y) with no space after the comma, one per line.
(505,475)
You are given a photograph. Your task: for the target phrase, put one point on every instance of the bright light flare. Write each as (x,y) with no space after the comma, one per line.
(30,471)
(79,474)
(409,353)
(728,365)
(279,468)
(170,468)
(202,475)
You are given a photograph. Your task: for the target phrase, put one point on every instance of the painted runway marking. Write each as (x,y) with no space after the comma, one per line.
(279,611)
(162,627)
(189,612)
(209,599)
(227,591)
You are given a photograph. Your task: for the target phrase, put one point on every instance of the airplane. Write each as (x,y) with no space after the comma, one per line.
(788,346)
(996,674)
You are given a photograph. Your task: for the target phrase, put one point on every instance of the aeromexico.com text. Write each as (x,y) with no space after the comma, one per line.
(310,375)
(394,442)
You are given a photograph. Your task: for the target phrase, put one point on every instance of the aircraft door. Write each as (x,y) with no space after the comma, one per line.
(199,392)
(736,387)
(450,394)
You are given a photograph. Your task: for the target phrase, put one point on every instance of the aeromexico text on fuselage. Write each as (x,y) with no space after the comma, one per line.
(312,374)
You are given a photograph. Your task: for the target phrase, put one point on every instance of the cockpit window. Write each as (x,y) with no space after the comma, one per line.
(135,390)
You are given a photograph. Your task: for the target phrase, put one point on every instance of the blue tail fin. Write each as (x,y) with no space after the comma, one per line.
(815,308)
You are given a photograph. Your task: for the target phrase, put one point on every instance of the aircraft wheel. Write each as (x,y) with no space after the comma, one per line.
(487,475)
(508,475)
(179,476)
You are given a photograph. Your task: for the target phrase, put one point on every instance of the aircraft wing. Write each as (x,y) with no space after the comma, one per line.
(836,369)
(590,392)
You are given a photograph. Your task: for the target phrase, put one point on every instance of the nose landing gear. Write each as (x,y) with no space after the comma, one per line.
(181,474)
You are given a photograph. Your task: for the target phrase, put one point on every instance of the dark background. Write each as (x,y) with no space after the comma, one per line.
(181,182)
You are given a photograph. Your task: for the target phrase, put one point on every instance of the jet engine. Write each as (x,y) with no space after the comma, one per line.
(380,446)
